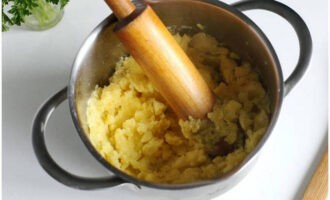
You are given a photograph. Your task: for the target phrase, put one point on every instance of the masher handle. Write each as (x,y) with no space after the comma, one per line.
(121,8)
(162,59)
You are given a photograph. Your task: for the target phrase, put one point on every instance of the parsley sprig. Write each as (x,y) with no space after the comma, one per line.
(19,9)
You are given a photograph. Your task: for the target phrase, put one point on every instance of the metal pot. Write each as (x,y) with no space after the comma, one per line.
(95,63)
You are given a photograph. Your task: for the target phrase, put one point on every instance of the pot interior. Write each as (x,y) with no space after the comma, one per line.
(96,60)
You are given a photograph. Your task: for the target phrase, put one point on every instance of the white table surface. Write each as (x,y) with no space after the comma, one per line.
(37,64)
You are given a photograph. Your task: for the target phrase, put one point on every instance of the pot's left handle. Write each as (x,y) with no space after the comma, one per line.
(46,161)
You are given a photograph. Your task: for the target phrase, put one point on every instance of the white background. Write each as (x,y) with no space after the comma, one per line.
(38,64)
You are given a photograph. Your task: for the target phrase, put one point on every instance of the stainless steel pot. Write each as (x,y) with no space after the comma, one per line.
(95,63)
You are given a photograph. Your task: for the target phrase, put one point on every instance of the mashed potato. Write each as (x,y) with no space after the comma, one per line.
(133,129)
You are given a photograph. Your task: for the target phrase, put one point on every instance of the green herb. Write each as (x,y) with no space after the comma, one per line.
(19,9)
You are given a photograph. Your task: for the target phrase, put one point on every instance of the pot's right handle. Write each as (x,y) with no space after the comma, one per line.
(301,29)
(47,162)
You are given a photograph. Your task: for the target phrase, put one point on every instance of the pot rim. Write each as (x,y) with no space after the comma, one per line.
(138,182)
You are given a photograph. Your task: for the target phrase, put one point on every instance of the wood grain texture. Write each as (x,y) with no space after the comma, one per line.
(318,186)
(121,8)
(166,64)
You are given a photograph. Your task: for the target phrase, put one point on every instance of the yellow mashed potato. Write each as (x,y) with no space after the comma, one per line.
(133,129)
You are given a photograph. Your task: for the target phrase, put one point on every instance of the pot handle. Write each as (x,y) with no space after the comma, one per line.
(301,29)
(46,161)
